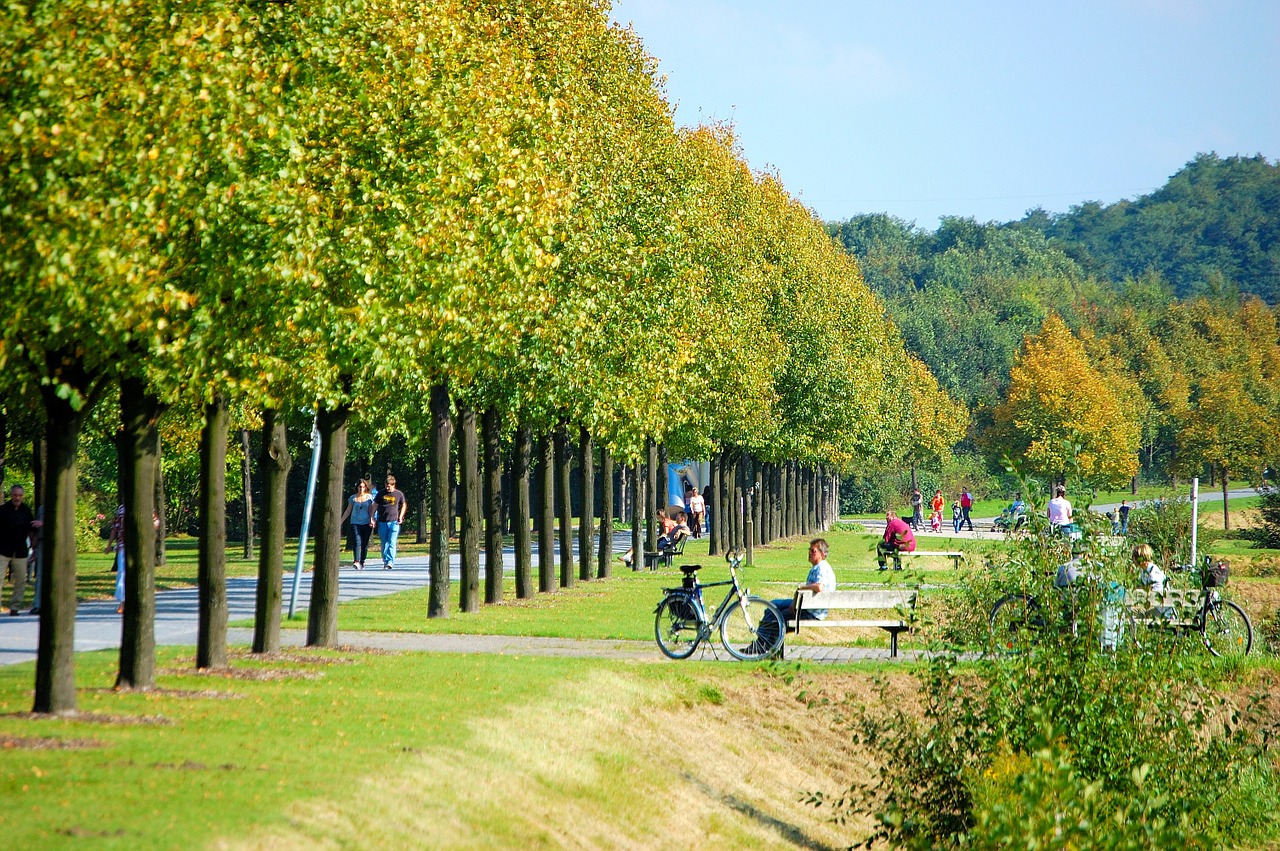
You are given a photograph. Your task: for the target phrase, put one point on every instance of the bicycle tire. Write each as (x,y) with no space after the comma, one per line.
(753,632)
(677,626)
(1014,620)
(1226,630)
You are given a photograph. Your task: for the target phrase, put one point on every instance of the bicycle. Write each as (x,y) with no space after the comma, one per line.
(751,628)
(1222,625)
(1017,619)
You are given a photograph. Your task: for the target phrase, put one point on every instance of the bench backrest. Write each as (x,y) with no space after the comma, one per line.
(1179,600)
(860,599)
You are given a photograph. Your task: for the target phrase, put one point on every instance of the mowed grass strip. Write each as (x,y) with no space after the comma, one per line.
(367,750)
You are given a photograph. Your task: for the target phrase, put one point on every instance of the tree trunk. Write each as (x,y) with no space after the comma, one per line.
(544,481)
(637,515)
(55,661)
(757,509)
(274,466)
(651,498)
(587,496)
(4,449)
(491,428)
(520,511)
(211,579)
(40,471)
(604,560)
(247,480)
(424,498)
(162,514)
(564,463)
(441,515)
(469,482)
(322,615)
(624,506)
(139,411)
(1226,513)
(713,507)
(664,478)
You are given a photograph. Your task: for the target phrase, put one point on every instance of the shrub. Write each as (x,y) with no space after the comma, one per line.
(1064,745)
(1267,533)
(1166,525)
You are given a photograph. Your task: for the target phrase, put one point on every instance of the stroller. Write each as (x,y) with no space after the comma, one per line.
(1010,520)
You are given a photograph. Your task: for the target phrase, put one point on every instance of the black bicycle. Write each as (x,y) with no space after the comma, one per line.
(751,628)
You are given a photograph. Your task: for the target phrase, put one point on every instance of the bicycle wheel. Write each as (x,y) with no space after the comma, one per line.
(1226,630)
(676,626)
(1015,620)
(752,631)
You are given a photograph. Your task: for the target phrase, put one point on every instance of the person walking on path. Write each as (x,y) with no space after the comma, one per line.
(115,543)
(698,511)
(938,503)
(898,538)
(391,508)
(360,508)
(1123,512)
(17,526)
(956,516)
(966,505)
(917,510)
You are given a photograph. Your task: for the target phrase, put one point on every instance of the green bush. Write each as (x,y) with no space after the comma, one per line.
(1166,525)
(1064,745)
(1267,533)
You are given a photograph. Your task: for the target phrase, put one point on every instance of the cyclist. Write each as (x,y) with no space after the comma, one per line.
(821,578)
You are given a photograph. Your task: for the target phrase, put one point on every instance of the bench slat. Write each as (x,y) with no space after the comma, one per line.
(858,599)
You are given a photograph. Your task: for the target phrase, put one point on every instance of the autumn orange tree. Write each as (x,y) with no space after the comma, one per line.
(1062,416)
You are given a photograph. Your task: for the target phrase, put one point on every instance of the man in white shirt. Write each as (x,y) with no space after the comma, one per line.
(821,578)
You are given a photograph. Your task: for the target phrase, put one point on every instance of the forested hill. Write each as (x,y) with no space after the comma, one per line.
(966,294)
(1215,224)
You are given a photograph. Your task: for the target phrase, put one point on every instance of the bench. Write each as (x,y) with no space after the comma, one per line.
(904,602)
(1175,607)
(956,557)
(665,555)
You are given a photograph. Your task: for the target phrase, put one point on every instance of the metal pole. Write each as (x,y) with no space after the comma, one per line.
(1195,518)
(306,515)
(750,525)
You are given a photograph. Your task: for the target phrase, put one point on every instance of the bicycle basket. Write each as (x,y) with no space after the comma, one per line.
(1215,576)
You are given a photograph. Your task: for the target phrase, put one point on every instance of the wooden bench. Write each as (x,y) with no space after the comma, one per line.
(1174,607)
(956,557)
(902,601)
(667,555)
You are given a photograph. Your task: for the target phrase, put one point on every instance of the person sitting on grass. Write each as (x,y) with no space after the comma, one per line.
(821,578)
(898,538)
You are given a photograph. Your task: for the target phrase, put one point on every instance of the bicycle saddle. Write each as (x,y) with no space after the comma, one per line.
(690,569)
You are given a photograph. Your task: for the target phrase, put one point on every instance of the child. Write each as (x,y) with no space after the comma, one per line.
(956,517)
(1149,573)
(935,520)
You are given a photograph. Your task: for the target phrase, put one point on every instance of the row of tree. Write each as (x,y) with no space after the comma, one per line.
(462,224)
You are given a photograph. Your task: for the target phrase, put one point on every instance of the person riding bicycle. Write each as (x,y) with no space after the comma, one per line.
(898,538)
(821,578)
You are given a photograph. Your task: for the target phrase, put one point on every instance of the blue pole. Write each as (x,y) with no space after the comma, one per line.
(306,516)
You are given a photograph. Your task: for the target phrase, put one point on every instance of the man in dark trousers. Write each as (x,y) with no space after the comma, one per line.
(391,508)
(966,504)
(17,524)
(898,538)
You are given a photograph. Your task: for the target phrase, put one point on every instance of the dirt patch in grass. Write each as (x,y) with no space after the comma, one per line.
(93,718)
(47,743)
(179,693)
(265,675)
(1259,597)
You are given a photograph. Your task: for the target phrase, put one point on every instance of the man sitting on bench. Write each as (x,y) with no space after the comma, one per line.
(898,538)
(821,578)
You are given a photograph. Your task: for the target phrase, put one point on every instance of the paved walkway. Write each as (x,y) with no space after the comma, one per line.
(515,645)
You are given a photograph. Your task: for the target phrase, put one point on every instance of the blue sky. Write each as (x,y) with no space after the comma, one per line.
(923,108)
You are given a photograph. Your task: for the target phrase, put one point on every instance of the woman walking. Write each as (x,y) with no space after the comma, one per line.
(360,510)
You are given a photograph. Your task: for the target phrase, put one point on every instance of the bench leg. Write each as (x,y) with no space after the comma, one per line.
(893,644)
